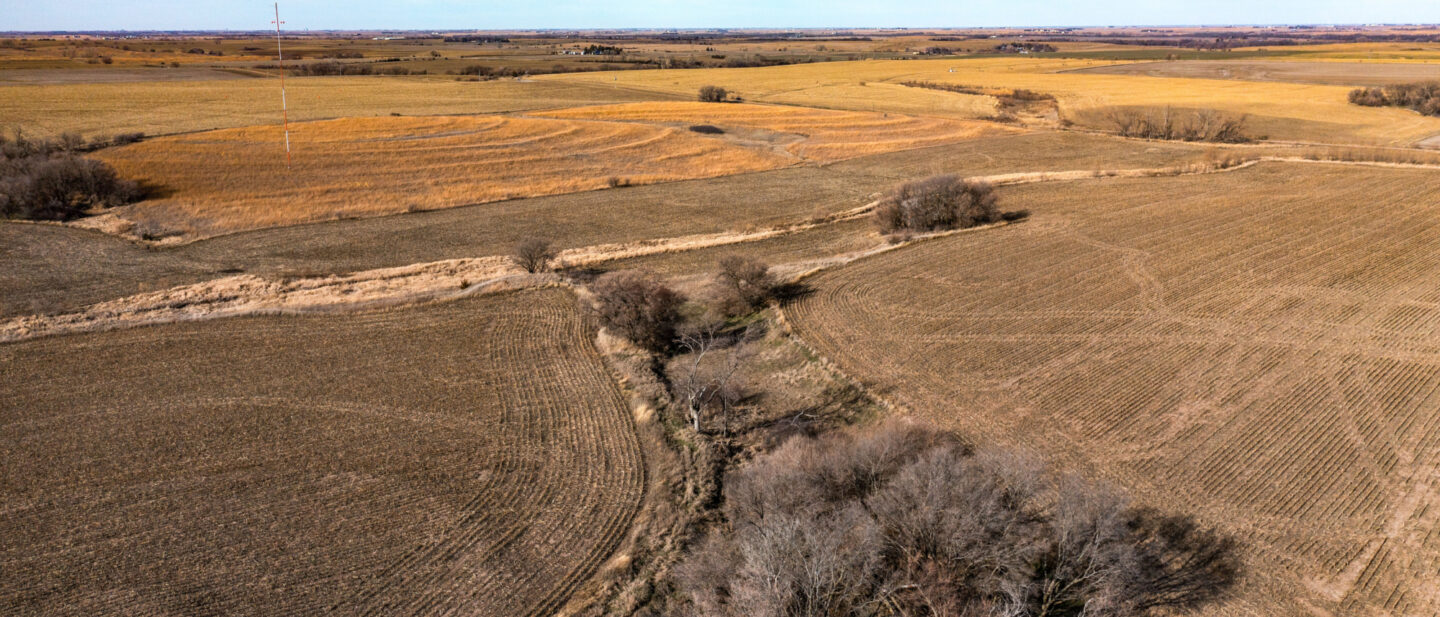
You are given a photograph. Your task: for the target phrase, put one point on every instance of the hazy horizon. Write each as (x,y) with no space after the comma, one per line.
(135,15)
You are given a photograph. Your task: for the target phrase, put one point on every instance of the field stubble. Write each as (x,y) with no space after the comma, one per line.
(1252,347)
(467,458)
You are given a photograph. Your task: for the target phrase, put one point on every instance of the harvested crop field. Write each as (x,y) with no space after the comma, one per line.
(1281,111)
(62,269)
(822,134)
(165,107)
(236,179)
(1258,348)
(1332,73)
(467,458)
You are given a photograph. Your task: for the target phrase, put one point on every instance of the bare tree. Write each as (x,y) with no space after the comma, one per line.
(935,203)
(637,306)
(906,520)
(713,94)
(742,285)
(533,254)
(705,384)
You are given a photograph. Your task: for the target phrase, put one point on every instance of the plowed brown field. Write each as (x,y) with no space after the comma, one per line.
(472,458)
(1260,348)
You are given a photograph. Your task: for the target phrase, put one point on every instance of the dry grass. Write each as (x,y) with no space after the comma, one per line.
(1334,73)
(163,107)
(471,458)
(827,135)
(1298,112)
(236,179)
(1261,356)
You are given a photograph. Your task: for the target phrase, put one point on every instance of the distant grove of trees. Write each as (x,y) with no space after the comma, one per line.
(1422,97)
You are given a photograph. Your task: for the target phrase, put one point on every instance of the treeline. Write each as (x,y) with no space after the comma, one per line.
(332,68)
(1422,97)
(475,38)
(49,179)
(1202,125)
(1015,48)
(602,50)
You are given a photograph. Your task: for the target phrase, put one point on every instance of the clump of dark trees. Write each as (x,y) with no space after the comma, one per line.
(1032,48)
(906,520)
(638,306)
(939,203)
(1422,97)
(713,94)
(332,68)
(1205,125)
(50,180)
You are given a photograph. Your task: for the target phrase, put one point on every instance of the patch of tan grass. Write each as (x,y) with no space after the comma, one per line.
(1284,111)
(236,179)
(829,135)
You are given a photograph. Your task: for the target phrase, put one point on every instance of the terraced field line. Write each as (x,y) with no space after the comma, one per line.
(248,294)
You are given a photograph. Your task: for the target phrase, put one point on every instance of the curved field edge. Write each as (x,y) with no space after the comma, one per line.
(478,459)
(1269,367)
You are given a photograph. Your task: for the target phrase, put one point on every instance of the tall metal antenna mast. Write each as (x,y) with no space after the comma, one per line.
(284,106)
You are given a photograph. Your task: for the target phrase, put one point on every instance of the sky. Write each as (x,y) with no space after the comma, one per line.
(23,15)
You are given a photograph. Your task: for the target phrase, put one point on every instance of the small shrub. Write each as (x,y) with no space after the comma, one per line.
(713,94)
(638,307)
(616,182)
(533,254)
(707,129)
(937,203)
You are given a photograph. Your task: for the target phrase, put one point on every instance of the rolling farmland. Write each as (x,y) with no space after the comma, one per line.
(466,458)
(61,269)
(817,134)
(235,179)
(1288,111)
(1257,347)
(165,107)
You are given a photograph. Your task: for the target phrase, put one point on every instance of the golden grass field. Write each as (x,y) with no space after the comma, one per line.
(1256,347)
(470,458)
(236,179)
(822,135)
(164,107)
(1283,111)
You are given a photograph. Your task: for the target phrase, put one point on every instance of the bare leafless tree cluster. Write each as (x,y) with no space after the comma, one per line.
(1202,125)
(936,203)
(906,520)
(706,378)
(713,94)
(49,180)
(742,285)
(533,254)
(1422,97)
(637,306)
